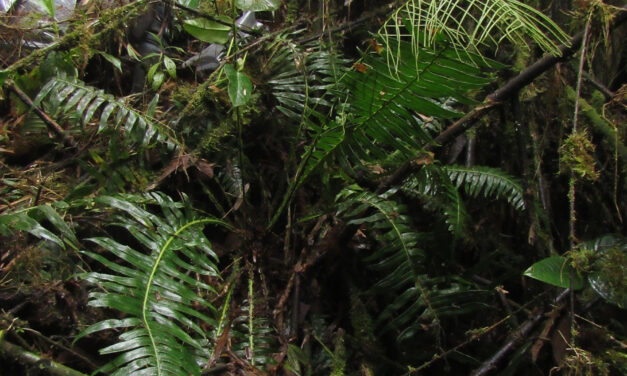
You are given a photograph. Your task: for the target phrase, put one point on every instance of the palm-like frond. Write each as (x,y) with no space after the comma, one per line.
(467,25)
(486,181)
(161,302)
(68,95)
(391,110)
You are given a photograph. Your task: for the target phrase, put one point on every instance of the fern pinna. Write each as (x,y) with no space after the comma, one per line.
(165,307)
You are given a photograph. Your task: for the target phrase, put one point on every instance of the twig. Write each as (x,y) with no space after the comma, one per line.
(515,339)
(12,351)
(50,123)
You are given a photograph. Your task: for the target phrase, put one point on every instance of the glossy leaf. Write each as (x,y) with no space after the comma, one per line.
(112,59)
(257,5)
(207,30)
(240,86)
(555,271)
(49,7)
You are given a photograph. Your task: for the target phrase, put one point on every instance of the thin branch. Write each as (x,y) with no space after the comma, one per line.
(12,351)
(515,339)
(50,123)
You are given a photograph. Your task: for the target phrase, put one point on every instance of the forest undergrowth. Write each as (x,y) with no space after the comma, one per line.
(265,187)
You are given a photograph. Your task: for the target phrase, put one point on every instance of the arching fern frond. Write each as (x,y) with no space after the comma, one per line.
(304,80)
(391,109)
(486,181)
(68,95)
(468,25)
(153,288)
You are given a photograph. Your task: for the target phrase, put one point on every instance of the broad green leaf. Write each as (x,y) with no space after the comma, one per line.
(607,277)
(157,80)
(207,31)
(151,72)
(170,66)
(240,86)
(49,7)
(554,271)
(132,52)
(257,5)
(112,59)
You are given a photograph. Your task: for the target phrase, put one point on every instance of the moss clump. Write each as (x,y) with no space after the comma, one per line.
(576,157)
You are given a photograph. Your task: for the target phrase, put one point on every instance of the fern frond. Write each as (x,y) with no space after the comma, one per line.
(414,299)
(164,311)
(304,80)
(469,25)
(390,108)
(487,182)
(72,96)
(399,255)
(31,219)
(434,188)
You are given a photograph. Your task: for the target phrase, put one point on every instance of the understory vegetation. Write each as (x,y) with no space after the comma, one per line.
(265,187)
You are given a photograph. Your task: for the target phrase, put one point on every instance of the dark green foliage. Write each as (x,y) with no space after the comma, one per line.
(68,95)
(164,312)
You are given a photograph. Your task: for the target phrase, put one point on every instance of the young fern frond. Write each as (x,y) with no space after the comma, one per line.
(72,96)
(163,309)
(470,25)
(486,181)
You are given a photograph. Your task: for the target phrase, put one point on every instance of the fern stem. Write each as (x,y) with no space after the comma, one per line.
(251,307)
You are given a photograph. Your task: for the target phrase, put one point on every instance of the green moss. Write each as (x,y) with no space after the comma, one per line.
(576,157)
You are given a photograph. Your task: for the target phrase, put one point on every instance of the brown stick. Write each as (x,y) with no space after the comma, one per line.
(515,339)
(50,123)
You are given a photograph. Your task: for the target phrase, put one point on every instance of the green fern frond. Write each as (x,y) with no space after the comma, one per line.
(72,96)
(31,219)
(390,108)
(414,300)
(304,80)
(434,188)
(399,256)
(469,25)
(487,182)
(164,311)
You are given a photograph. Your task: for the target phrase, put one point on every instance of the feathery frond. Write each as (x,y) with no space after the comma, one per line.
(391,110)
(470,25)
